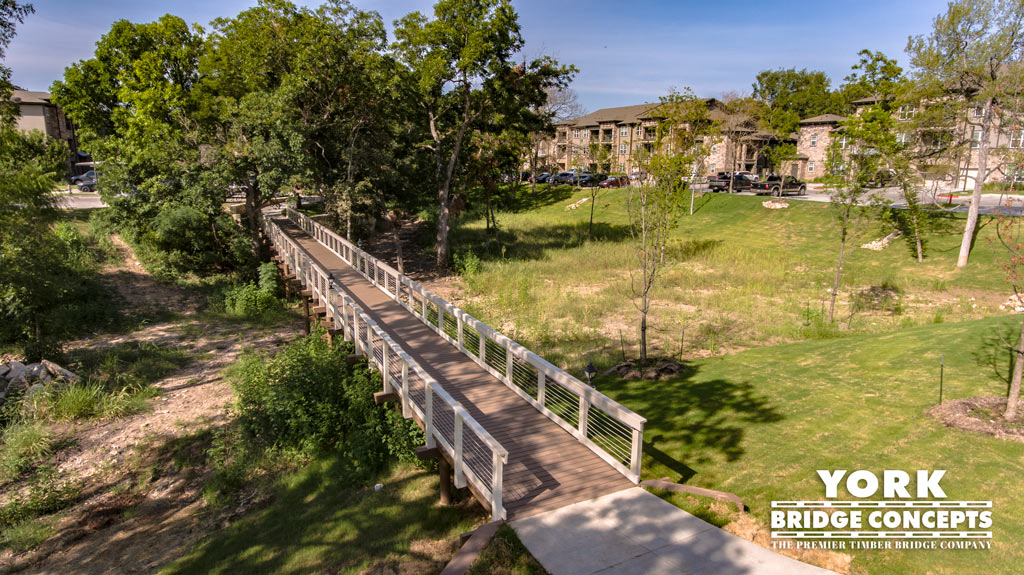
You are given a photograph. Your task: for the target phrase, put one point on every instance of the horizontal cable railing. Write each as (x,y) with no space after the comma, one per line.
(612,431)
(476,456)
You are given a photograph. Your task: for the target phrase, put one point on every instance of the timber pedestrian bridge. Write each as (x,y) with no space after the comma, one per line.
(522,434)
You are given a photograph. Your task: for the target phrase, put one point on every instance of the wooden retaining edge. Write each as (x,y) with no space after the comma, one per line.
(667,485)
(467,554)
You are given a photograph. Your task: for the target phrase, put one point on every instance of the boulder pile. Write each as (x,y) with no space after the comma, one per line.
(15,375)
(575,205)
(1015,304)
(879,245)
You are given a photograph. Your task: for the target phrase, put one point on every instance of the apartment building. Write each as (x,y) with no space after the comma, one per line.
(37,112)
(814,137)
(608,141)
(1006,145)
(605,140)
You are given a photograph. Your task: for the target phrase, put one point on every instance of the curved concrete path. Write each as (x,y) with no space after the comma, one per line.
(633,532)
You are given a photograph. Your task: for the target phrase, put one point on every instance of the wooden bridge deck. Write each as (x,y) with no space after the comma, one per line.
(547,467)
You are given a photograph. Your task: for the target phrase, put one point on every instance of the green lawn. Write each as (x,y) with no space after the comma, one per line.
(318,523)
(738,276)
(760,422)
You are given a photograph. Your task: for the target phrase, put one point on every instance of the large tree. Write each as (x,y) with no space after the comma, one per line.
(11,14)
(460,65)
(971,60)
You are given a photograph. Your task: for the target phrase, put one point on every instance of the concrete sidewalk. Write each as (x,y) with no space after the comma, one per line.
(635,532)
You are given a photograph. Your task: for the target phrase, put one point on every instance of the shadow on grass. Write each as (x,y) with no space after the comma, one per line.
(322,519)
(528,199)
(532,244)
(690,422)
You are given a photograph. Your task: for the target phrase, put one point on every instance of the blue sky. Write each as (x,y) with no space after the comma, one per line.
(627,51)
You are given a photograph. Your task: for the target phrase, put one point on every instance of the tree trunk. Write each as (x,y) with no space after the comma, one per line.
(835,281)
(593,200)
(1018,371)
(643,339)
(979,184)
(398,251)
(442,227)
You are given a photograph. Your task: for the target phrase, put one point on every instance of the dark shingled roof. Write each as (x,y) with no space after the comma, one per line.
(622,115)
(27,97)
(823,119)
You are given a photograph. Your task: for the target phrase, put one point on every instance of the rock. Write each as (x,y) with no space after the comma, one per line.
(34,389)
(775,204)
(16,371)
(3,370)
(61,373)
(36,371)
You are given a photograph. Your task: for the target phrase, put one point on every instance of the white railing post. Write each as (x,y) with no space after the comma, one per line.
(440,320)
(355,328)
(384,364)
(497,472)
(541,385)
(406,410)
(584,409)
(371,358)
(459,324)
(483,345)
(635,451)
(508,364)
(460,473)
(428,415)
(424,296)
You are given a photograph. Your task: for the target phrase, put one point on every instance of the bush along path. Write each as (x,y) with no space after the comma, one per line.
(106,473)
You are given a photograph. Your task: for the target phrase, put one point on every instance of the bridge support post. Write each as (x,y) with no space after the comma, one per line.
(305,305)
(445,472)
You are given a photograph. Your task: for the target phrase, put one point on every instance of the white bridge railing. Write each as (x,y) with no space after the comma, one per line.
(608,428)
(477,457)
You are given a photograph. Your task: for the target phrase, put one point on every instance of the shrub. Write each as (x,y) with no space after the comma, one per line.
(309,397)
(21,445)
(249,301)
(47,493)
(466,264)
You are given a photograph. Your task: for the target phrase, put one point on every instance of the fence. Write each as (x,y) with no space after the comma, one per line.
(477,457)
(608,428)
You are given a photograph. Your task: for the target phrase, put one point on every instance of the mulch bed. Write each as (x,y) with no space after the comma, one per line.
(980,415)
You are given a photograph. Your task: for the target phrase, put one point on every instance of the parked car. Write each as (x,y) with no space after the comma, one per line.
(565,178)
(591,179)
(615,182)
(90,175)
(741,181)
(543,178)
(883,179)
(88,185)
(778,185)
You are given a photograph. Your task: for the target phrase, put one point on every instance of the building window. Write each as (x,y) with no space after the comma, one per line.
(622,147)
(842,143)
(901,138)
(576,134)
(1017,140)
(711,169)
(906,112)
(623,131)
(979,111)
(814,140)
(639,131)
(586,133)
(622,167)
(810,166)
(976,140)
